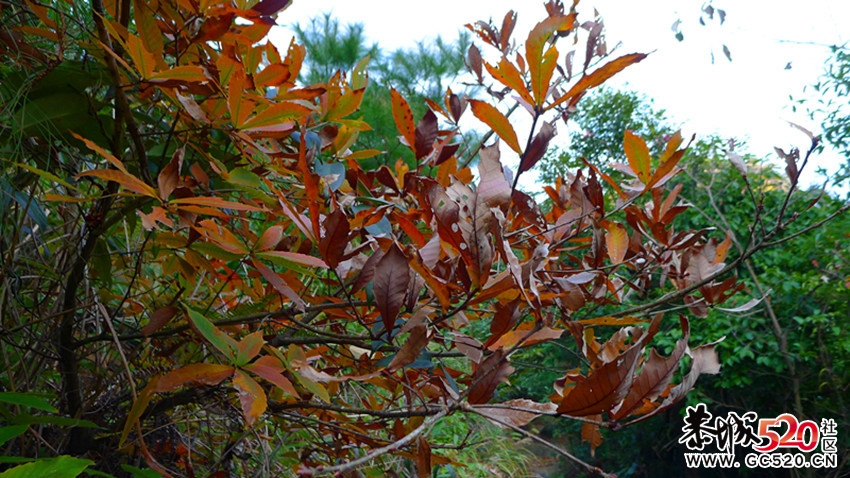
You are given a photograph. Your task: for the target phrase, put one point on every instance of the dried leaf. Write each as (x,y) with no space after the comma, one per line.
(487,376)
(409,352)
(518,412)
(538,147)
(738,162)
(251,396)
(159,319)
(390,285)
(194,375)
(426,133)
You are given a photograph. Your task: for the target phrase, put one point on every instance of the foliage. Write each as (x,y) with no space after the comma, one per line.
(831,107)
(418,73)
(195,260)
(601,121)
(794,363)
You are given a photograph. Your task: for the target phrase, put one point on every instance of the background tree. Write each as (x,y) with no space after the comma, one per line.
(418,73)
(781,355)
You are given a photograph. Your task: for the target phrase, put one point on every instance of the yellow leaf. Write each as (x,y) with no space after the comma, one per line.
(251,397)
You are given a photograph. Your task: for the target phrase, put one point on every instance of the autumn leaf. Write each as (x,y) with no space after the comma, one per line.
(390,285)
(193,375)
(248,348)
(220,340)
(271,369)
(616,241)
(638,155)
(169,177)
(159,319)
(493,118)
(335,238)
(487,376)
(403,118)
(598,76)
(409,352)
(251,396)
(518,412)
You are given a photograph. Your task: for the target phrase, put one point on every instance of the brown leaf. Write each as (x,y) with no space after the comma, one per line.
(590,433)
(335,238)
(475,63)
(409,352)
(518,412)
(426,133)
(159,318)
(537,148)
(423,457)
(738,162)
(654,376)
(493,190)
(487,376)
(390,285)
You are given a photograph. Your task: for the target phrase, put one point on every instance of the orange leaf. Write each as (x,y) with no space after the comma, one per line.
(129,182)
(526,336)
(616,240)
(638,155)
(194,374)
(251,396)
(276,114)
(403,118)
(187,73)
(507,74)
(215,202)
(599,76)
(106,154)
(493,118)
(541,65)
(142,58)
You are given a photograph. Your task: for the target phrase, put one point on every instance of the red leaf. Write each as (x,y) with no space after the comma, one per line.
(488,375)
(474,57)
(271,369)
(497,122)
(423,457)
(390,285)
(403,118)
(654,376)
(279,284)
(335,239)
(270,238)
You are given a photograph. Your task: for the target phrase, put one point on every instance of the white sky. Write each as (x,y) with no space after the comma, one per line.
(747,98)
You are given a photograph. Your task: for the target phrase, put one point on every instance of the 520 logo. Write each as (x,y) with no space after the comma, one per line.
(770,437)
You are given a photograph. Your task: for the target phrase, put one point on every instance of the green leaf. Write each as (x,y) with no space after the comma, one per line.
(221,341)
(59,467)
(140,473)
(10,432)
(29,399)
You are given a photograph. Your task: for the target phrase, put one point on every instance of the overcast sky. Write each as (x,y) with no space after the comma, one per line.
(749,97)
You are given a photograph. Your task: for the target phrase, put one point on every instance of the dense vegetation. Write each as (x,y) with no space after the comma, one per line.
(210,266)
